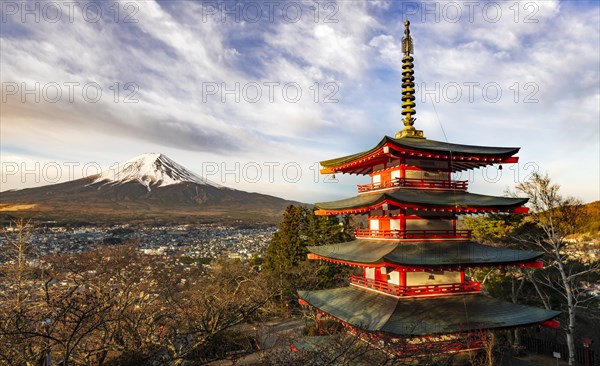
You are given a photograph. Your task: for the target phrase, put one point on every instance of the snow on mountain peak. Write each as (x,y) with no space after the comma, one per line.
(151,170)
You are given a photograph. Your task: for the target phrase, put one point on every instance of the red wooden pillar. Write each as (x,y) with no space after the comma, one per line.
(587,342)
(380,276)
(384,224)
(319,329)
(402,218)
(402,169)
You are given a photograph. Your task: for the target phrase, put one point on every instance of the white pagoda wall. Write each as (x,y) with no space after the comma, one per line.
(422,174)
(428,224)
(394,278)
(422,278)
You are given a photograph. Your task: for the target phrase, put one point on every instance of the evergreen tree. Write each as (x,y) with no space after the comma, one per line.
(288,245)
(322,230)
(299,228)
(492,228)
(286,258)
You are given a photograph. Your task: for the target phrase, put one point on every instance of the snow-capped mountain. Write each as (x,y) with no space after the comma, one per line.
(151,170)
(150,188)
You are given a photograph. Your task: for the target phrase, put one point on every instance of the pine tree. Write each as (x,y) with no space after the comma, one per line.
(299,228)
(288,246)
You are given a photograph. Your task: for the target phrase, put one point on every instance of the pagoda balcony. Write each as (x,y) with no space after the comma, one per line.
(410,291)
(413,234)
(460,185)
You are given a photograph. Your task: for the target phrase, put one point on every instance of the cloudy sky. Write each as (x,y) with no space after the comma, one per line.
(253,94)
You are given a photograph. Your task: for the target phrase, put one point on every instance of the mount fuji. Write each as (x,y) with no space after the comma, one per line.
(152,170)
(148,188)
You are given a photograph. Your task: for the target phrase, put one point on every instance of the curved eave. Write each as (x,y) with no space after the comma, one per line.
(426,316)
(463,157)
(459,202)
(447,255)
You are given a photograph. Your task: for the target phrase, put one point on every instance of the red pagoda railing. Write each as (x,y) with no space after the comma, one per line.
(415,183)
(384,286)
(413,234)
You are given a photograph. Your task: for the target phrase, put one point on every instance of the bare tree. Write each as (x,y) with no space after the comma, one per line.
(209,304)
(16,248)
(337,348)
(330,342)
(118,305)
(554,218)
(15,294)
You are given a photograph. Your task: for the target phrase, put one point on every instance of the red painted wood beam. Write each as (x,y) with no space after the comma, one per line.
(536,264)
(521,210)
(553,324)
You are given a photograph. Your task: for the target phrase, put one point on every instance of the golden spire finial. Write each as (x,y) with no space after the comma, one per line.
(408,87)
(407,42)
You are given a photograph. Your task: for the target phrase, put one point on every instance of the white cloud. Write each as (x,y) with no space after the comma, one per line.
(171,53)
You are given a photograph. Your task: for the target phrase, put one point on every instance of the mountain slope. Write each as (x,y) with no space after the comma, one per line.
(150,187)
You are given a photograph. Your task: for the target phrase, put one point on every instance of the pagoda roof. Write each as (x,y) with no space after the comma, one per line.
(407,198)
(439,254)
(463,156)
(422,316)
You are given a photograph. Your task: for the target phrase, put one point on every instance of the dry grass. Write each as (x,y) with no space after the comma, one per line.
(17,207)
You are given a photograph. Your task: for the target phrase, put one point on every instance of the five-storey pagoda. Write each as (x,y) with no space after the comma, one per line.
(413,288)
